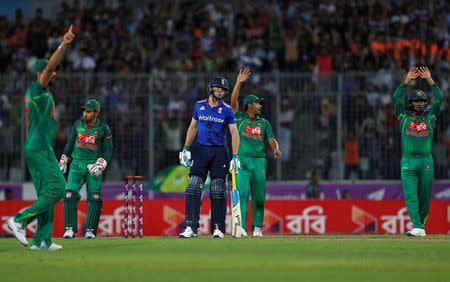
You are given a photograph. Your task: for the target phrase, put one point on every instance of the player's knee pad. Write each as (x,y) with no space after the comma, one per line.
(218,189)
(95,196)
(71,195)
(195,185)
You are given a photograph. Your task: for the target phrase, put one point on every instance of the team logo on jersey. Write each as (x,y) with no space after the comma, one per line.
(417,129)
(418,126)
(86,141)
(254,133)
(220,110)
(85,138)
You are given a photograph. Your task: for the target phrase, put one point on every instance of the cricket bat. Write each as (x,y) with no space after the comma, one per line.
(236,220)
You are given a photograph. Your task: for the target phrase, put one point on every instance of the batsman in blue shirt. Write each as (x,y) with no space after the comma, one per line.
(210,119)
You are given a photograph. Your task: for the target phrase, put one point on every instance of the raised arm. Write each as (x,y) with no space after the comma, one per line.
(438,96)
(397,101)
(56,58)
(243,75)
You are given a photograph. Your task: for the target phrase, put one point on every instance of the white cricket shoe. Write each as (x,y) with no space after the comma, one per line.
(416,232)
(243,232)
(188,233)
(217,234)
(90,234)
(43,247)
(69,234)
(257,232)
(52,247)
(35,248)
(16,229)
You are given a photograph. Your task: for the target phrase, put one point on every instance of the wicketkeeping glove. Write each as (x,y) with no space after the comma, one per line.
(185,157)
(98,167)
(235,164)
(63,163)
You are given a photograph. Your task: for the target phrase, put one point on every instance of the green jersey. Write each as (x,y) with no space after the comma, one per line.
(417,130)
(40,123)
(254,135)
(89,143)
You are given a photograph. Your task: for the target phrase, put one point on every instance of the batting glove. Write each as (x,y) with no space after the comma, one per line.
(235,164)
(185,157)
(97,168)
(63,163)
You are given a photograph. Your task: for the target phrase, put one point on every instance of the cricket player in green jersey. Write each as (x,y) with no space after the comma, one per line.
(417,120)
(88,150)
(40,131)
(256,135)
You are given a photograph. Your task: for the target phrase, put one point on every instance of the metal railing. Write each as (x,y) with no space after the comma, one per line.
(341,124)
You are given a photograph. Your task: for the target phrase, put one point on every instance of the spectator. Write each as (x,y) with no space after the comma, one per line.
(313,186)
(351,155)
(346,195)
(173,140)
(8,194)
(285,138)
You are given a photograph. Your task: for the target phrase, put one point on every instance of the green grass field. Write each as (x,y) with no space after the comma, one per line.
(299,258)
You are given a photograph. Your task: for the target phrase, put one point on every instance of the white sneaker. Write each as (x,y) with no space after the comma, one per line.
(188,233)
(55,247)
(16,229)
(218,234)
(52,247)
(35,248)
(69,234)
(257,232)
(416,232)
(243,232)
(90,234)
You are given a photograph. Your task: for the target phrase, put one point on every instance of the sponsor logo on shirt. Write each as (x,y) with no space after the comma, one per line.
(86,141)
(202,108)
(417,129)
(211,118)
(254,133)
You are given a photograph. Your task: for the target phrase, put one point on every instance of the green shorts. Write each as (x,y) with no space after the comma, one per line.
(44,170)
(79,174)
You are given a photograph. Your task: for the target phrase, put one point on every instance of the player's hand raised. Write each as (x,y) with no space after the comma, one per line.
(412,74)
(424,73)
(243,75)
(68,36)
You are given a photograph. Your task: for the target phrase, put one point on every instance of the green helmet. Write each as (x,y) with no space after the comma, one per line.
(416,95)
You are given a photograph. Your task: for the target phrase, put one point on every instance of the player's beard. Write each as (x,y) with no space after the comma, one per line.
(419,109)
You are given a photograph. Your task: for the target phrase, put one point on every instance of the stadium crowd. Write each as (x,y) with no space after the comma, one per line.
(189,38)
